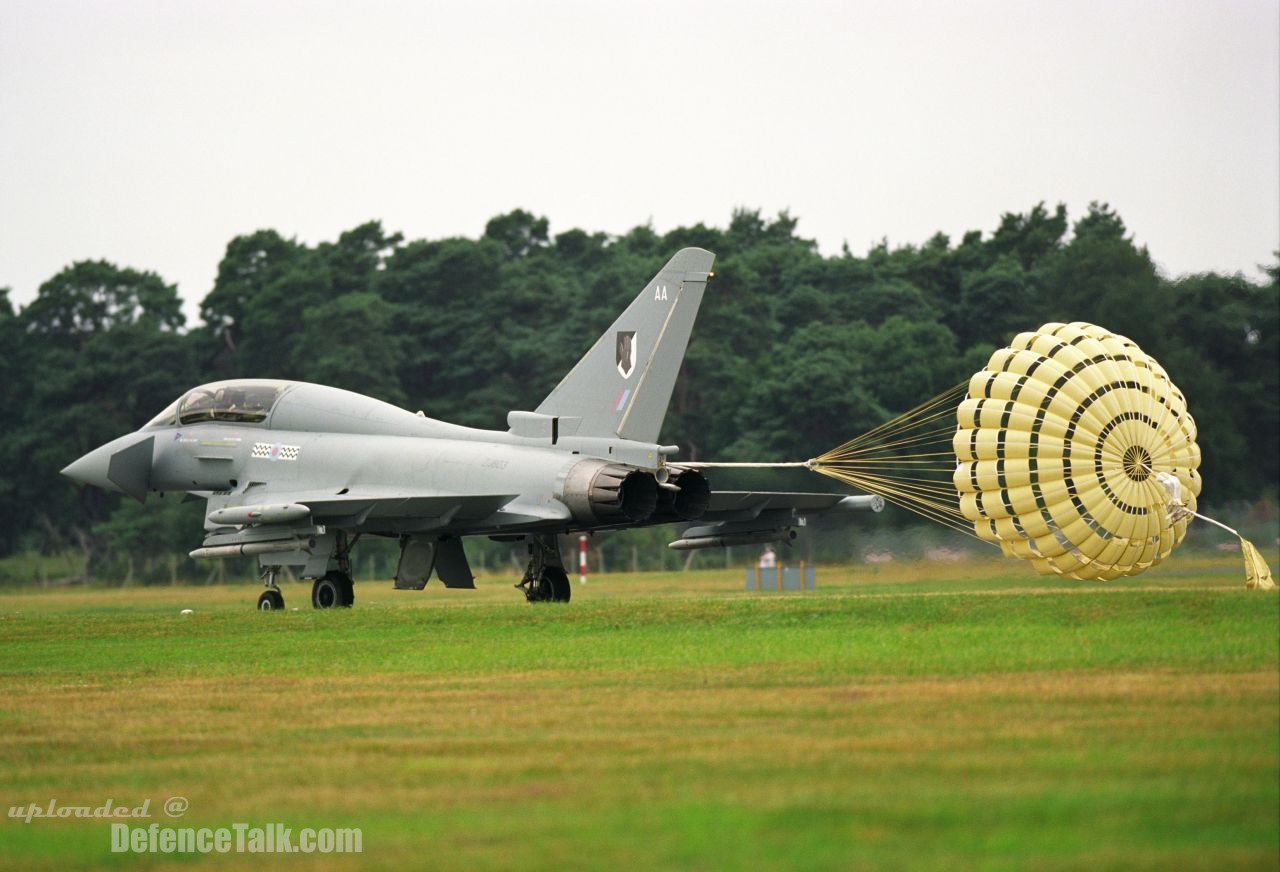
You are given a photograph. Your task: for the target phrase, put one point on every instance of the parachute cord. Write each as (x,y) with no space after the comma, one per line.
(926,411)
(880,462)
(920,413)
(940,435)
(703,464)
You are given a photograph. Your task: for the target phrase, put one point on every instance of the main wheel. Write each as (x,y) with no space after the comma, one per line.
(271,601)
(552,587)
(334,591)
(555,579)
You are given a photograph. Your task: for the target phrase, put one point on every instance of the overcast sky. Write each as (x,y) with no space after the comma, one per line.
(151,133)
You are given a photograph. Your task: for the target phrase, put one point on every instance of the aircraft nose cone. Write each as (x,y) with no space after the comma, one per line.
(92,469)
(123,465)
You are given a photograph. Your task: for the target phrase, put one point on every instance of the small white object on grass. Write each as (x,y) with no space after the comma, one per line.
(187,612)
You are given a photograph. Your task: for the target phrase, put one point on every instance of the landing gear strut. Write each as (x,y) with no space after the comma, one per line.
(545,580)
(334,590)
(272,600)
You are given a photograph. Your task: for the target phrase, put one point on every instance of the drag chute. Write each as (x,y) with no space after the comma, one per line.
(1066,448)
(1072,449)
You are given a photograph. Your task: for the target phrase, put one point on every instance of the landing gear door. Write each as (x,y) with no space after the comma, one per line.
(417,559)
(451,564)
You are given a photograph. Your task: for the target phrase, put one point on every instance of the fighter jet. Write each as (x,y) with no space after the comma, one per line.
(296,473)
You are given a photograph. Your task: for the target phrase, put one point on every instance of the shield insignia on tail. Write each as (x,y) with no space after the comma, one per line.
(626,353)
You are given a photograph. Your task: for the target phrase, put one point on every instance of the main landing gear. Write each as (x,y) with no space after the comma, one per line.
(545,580)
(333,591)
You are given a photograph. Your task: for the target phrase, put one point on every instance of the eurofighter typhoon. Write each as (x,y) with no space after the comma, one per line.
(296,473)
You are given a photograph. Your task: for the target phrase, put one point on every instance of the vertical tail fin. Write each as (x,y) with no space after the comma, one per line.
(622,385)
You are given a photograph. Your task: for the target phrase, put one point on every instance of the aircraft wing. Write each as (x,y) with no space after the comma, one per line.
(736,505)
(391,510)
(746,517)
(288,524)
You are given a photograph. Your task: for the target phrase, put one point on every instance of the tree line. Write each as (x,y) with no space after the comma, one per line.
(794,352)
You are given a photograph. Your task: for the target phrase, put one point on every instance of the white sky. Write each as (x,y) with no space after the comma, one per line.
(151,133)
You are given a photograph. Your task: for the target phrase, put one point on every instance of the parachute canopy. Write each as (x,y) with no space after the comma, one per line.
(1076,452)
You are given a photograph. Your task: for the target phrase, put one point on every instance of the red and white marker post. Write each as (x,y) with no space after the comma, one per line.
(582,559)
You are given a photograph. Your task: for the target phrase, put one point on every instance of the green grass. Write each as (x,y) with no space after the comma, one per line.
(911,716)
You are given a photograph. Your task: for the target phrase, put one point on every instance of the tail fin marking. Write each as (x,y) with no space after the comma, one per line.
(622,386)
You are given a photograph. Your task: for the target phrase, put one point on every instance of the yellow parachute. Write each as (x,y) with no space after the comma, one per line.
(1072,450)
(1075,451)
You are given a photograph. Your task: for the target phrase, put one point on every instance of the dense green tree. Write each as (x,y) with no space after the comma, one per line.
(819,382)
(581,249)
(886,298)
(105,355)
(914,360)
(1102,277)
(250,265)
(90,297)
(272,343)
(348,342)
(1031,237)
(930,268)
(1222,351)
(358,254)
(448,295)
(15,376)
(518,232)
(995,303)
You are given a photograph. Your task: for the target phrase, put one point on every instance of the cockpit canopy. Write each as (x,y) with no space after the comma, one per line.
(246,401)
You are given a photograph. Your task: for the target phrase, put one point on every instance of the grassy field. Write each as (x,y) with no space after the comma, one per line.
(907,716)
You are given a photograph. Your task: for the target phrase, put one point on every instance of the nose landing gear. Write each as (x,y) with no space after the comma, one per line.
(272,600)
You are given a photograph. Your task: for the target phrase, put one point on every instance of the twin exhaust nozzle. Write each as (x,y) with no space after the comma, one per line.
(598,492)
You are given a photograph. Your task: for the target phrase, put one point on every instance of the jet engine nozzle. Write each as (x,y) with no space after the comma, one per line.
(598,492)
(688,499)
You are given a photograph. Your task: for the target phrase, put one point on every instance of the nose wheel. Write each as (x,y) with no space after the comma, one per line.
(271,601)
